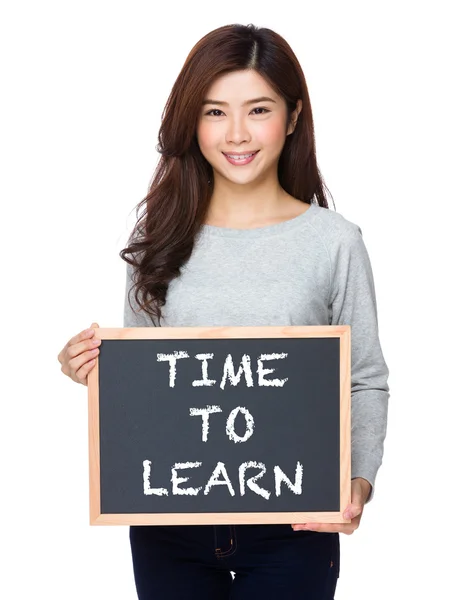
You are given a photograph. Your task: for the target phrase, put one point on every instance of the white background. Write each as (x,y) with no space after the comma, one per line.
(84,84)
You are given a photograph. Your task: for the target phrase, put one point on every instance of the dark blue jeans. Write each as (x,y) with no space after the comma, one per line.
(194,562)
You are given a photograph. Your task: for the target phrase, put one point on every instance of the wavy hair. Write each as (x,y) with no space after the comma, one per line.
(175,207)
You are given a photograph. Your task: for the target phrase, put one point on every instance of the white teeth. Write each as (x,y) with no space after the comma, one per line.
(240,157)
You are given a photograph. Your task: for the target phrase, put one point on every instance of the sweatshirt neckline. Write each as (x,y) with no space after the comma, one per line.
(265,230)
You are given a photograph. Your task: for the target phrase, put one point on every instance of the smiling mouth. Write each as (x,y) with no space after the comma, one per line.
(240,157)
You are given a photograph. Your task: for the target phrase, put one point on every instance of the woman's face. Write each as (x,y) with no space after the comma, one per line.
(231,123)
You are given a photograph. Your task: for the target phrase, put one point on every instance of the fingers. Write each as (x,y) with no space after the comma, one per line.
(81,374)
(347,528)
(83,341)
(83,335)
(79,355)
(80,365)
(359,491)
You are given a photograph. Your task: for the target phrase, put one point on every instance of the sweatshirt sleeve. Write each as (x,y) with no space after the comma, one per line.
(353,302)
(133,317)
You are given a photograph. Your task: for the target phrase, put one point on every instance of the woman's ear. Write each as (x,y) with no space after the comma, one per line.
(294,116)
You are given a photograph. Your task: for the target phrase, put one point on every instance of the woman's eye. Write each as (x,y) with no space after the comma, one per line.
(260,108)
(213,111)
(216,110)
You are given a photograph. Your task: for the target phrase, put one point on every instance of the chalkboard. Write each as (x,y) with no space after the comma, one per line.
(216,425)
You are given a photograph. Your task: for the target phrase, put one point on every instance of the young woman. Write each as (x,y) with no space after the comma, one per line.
(236,230)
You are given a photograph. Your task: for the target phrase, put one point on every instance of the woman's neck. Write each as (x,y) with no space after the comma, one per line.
(244,209)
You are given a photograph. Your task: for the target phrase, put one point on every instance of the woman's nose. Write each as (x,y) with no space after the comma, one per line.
(237,132)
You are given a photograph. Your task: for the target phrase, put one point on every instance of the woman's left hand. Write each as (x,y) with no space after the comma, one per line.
(360,490)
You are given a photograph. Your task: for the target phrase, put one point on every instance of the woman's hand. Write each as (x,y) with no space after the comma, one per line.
(360,490)
(78,356)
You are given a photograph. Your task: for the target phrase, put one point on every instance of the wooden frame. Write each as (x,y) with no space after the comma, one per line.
(343,332)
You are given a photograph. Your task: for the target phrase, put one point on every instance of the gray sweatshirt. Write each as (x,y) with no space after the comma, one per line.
(313,269)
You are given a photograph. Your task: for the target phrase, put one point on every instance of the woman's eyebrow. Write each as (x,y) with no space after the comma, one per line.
(253,101)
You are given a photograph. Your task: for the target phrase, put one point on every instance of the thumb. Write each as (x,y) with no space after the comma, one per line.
(355,508)
(94,325)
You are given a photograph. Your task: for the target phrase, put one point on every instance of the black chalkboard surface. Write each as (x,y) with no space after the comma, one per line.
(220,425)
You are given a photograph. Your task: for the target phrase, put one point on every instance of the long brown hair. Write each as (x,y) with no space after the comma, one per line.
(173,211)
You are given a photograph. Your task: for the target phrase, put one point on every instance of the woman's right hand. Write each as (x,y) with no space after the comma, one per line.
(78,356)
